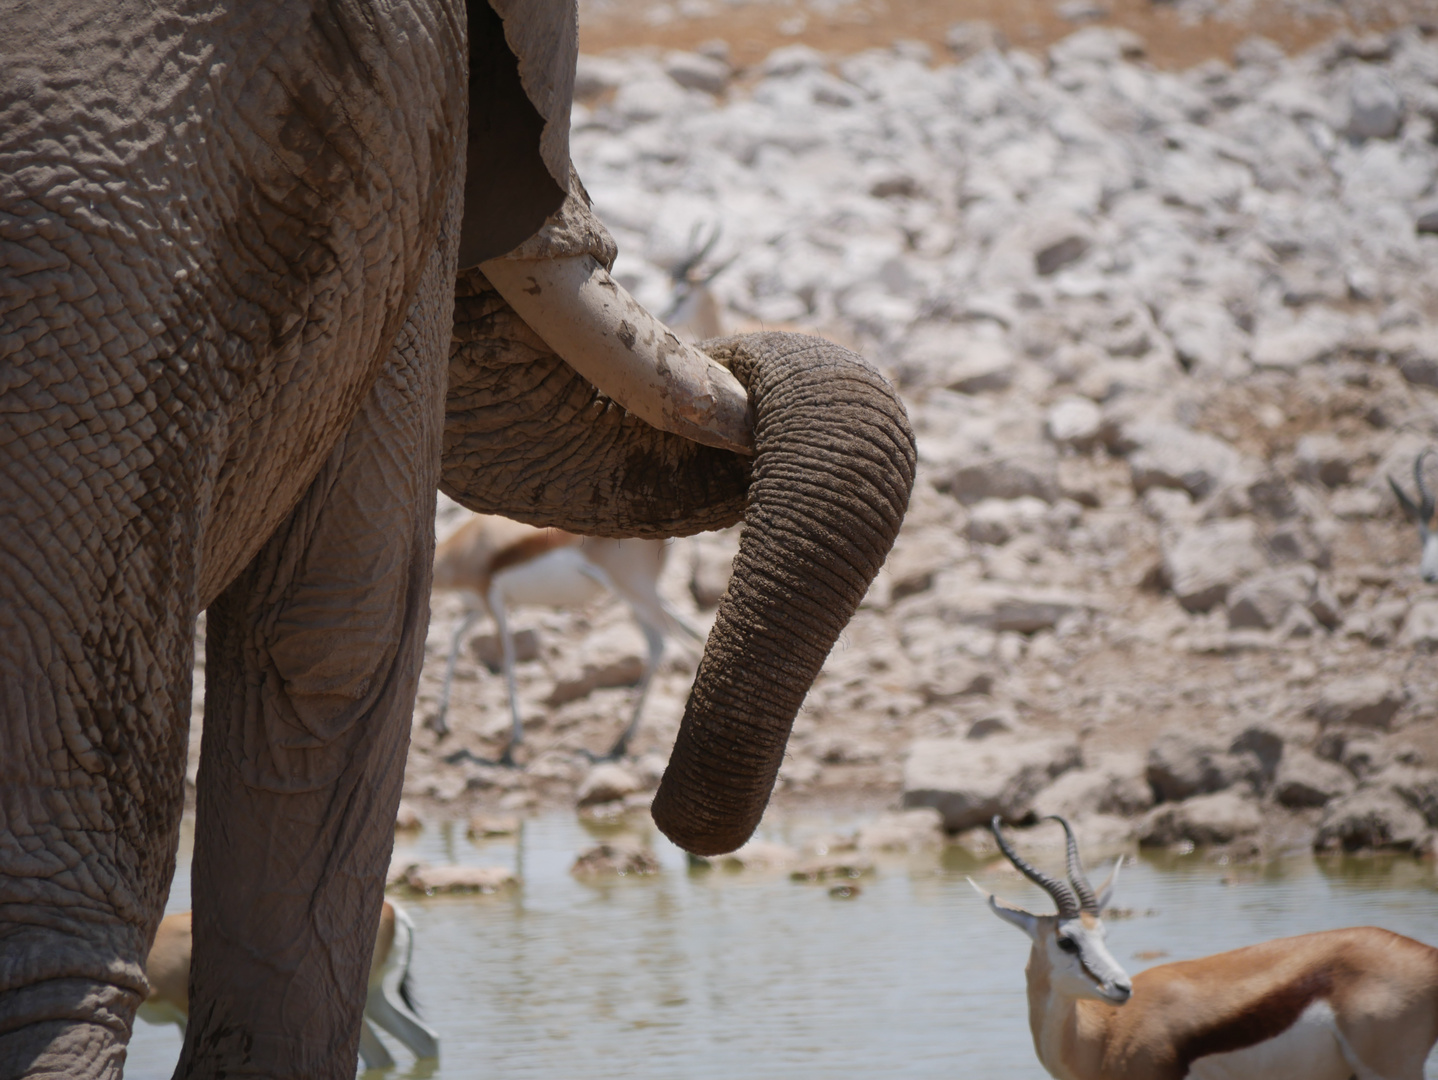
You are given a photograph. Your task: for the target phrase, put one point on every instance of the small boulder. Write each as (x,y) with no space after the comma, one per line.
(1306,780)
(607,782)
(997,521)
(459,879)
(759,855)
(832,867)
(695,71)
(1369,701)
(1074,421)
(1416,787)
(919,829)
(489,826)
(1262,601)
(1219,818)
(969,782)
(1375,108)
(1183,763)
(1165,454)
(1323,459)
(1420,627)
(407,819)
(1202,563)
(1114,784)
(1001,478)
(616,859)
(1370,818)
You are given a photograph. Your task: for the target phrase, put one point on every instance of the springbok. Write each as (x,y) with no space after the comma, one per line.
(495,564)
(388,1001)
(1422,516)
(1359,1003)
(693,311)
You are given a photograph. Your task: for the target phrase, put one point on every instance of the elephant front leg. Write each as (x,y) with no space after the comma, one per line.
(313,656)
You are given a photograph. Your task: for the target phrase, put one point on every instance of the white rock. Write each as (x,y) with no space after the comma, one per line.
(694,71)
(1375,109)
(1265,599)
(1204,562)
(969,782)
(607,782)
(1362,701)
(1420,628)
(1165,454)
(1074,421)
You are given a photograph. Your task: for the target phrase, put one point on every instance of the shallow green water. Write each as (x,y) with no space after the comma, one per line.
(700,974)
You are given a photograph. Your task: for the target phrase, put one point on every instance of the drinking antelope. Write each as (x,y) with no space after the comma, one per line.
(388,1002)
(495,563)
(1359,1003)
(1422,516)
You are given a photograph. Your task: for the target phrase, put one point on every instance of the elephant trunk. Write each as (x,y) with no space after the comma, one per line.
(821,500)
(833,468)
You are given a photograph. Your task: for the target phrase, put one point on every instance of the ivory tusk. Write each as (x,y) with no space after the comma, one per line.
(603,333)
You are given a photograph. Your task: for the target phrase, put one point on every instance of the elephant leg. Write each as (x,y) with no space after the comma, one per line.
(98,595)
(313,657)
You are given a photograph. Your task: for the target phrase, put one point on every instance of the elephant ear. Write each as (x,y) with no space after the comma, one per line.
(522,55)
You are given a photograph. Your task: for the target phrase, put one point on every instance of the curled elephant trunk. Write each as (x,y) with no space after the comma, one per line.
(833,468)
(821,500)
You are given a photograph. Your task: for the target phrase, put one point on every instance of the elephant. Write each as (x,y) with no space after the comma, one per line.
(271,274)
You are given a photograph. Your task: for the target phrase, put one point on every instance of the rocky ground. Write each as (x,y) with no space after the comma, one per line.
(1163,334)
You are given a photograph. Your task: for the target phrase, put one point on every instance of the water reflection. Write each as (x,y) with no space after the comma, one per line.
(709,973)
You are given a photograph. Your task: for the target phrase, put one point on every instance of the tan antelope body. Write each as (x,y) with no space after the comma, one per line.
(387,1001)
(1359,1003)
(496,564)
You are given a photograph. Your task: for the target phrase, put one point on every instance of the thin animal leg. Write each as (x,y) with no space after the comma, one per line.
(372,1051)
(654,638)
(501,619)
(386,1003)
(438,725)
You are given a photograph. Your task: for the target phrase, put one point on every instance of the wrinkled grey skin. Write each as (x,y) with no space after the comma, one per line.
(232,361)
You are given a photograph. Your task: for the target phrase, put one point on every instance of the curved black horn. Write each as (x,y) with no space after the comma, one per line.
(1426,507)
(1078,877)
(1063,896)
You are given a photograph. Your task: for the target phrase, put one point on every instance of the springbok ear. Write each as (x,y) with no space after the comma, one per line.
(1105,892)
(1024,920)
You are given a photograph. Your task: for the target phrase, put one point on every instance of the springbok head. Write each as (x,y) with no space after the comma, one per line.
(1070,943)
(1422,516)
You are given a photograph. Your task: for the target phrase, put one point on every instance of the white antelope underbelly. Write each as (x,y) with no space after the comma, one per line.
(1309,1049)
(560,578)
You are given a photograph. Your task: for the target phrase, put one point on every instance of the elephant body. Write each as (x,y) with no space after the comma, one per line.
(233,371)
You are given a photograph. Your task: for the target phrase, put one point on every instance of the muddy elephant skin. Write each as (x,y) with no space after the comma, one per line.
(231,363)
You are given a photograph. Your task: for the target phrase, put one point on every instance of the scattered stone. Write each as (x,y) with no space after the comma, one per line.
(1364,701)
(1305,780)
(1183,763)
(1167,455)
(1074,421)
(1114,784)
(1201,564)
(997,521)
(623,670)
(1001,478)
(615,859)
(759,855)
(1420,626)
(969,782)
(828,868)
(1371,818)
(920,829)
(489,650)
(1220,818)
(432,880)
(605,783)
(407,819)
(1376,110)
(1265,599)
(1415,786)
(844,891)
(694,71)
(490,826)
(1323,459)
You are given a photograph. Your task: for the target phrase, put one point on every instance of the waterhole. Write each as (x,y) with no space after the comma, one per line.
(705,973)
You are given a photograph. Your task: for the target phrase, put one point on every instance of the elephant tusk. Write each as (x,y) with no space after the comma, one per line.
(602,332)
